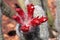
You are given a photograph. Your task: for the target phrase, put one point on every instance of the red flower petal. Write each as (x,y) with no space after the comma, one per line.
(17,18)
(21,13)
(30,9)
(43,19)
(25,28)
(35,22)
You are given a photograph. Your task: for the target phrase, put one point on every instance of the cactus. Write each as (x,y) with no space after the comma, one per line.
(57,20)
(44,34)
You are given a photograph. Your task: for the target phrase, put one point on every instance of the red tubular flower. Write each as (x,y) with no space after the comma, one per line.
(25,28)
(30,9)
(43,19)
(20,18)
(38,21)
(20,12)
(35,22)
(17,18)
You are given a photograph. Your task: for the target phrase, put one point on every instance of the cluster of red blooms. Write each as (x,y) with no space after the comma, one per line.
(34,21)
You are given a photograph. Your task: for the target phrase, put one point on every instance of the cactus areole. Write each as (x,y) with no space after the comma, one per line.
(28,21)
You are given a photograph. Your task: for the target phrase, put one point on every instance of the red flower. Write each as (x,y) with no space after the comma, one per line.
(30,9)
(38,21)
(20,18)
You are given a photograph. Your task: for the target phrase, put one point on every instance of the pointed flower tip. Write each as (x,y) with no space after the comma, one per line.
(43,19)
